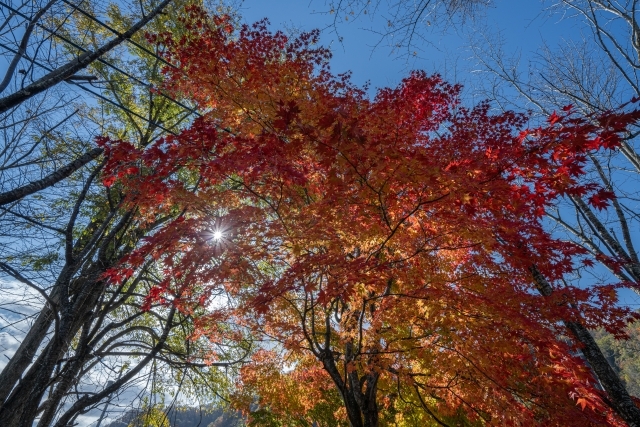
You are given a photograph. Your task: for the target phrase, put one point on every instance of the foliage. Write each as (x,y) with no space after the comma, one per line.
(595,70)
(82,342)
(623,355)
(182,416)
(382,248)
(151,417)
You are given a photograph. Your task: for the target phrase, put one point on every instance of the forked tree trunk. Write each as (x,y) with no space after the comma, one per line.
(21,406)
(361,406)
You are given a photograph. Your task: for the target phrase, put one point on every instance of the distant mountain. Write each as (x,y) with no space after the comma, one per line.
(184,417)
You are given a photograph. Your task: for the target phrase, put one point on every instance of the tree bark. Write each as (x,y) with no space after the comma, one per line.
(631,266)
(91,399)
(23,357)
(618,395)
(350,403)
(50,407)
(362,408)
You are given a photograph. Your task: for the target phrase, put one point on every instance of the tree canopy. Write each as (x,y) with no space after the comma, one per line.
(388,252)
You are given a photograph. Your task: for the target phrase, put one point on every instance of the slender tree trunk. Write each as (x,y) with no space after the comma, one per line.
(619,398)
(618,395)
(23,357)
(631,266)
(51,405)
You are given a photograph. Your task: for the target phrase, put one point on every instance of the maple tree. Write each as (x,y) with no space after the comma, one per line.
(388,251)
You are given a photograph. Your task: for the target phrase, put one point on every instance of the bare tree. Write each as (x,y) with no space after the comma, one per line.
(67,70)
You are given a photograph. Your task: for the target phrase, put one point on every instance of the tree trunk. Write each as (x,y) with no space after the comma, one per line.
(362,408)
(619,398)
(23,357)
(350,403)
(92,399)
(21,406)
(67,377)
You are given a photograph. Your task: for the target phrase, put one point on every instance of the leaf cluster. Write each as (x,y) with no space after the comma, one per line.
(382,248)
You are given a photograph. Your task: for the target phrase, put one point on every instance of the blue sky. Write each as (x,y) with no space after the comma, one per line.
(523,24)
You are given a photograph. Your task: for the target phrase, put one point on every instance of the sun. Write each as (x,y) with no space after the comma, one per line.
(217,235)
